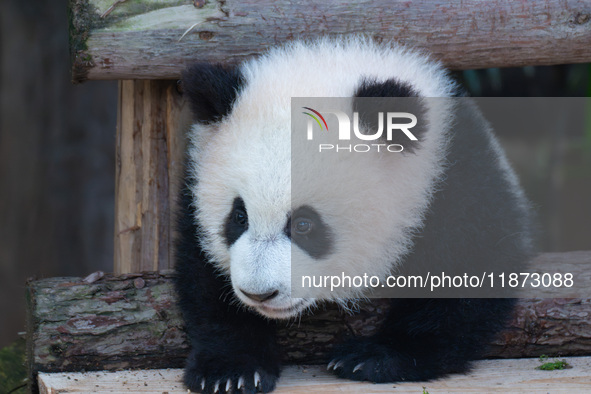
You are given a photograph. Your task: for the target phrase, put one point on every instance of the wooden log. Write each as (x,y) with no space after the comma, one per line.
(130,321)
(152,118)
(155,39)
(487,376)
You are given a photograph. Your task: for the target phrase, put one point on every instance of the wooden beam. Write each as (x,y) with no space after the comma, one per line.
(488,376)
(152,118)
(156,39)
(131,321)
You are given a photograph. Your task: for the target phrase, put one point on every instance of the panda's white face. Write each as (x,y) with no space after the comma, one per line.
(243,201)
(250,221)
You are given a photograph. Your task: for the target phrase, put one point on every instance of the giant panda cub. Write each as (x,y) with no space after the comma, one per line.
(449,198)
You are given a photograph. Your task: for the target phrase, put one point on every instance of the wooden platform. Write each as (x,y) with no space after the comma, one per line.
(513,375)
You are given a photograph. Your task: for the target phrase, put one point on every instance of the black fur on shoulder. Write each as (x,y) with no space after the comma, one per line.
(211,89)
(372,92)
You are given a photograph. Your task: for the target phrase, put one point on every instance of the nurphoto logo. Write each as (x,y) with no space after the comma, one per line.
(391,119)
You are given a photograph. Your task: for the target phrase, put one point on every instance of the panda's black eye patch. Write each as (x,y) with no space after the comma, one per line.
(236,222)
(309,232)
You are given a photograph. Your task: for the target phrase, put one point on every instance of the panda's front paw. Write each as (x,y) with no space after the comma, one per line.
(237,374)
(378,362)
(229,383)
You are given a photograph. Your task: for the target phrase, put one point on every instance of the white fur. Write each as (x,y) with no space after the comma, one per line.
(249,153)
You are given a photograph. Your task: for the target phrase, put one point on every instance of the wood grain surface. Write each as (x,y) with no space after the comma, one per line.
(156,39)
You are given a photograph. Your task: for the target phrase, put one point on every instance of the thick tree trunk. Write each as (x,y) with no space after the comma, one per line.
(131,321)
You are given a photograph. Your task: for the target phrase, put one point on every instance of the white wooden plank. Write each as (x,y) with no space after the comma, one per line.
(488,376)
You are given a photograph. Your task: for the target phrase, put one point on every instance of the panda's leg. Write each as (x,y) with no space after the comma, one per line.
(422,339)
(233,350)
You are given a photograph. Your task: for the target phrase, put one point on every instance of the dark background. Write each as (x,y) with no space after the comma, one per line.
(57,156)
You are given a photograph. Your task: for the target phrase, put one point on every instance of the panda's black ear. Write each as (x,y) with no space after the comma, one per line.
(211,90)
(403,99)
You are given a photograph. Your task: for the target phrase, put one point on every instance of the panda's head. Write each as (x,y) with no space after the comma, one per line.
(240,155)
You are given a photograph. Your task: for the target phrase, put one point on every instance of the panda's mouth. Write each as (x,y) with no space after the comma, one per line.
(281,313)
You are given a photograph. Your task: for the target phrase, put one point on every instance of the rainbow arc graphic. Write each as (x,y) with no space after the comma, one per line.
(316,118)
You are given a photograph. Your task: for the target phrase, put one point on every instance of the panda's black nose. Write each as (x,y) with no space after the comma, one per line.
(261,297)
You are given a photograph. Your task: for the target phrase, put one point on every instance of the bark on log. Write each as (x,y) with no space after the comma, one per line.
(155,39)
(130,321)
